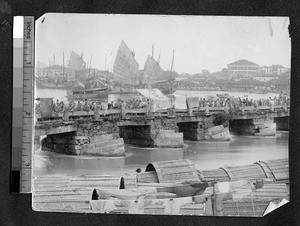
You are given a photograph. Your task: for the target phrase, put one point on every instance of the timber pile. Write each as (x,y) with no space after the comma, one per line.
(244,207)
(147,177)
(65,193)
(275,170)
(174,171)
(169,187)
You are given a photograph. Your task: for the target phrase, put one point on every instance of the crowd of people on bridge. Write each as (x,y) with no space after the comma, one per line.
(88,105)
(229,102)
(235,102)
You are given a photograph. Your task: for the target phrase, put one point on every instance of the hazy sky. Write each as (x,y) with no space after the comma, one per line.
(200,42)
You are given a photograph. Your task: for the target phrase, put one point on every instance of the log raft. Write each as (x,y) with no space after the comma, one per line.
(170,187)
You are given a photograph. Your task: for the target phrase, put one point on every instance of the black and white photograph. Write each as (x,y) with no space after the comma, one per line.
(161,114)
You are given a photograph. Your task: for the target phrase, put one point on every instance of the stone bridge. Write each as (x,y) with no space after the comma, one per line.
(104,132)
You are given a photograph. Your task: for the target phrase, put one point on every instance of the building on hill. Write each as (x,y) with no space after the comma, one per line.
(245,84)
(243,68)
(266,77)
(266,70)
(274,69)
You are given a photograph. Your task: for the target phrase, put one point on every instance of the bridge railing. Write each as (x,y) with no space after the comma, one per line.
(162,112)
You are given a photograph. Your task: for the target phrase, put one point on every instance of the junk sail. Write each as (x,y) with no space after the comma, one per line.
(76,62)
(153,73)
(156,77)
(78,65)
(126,68)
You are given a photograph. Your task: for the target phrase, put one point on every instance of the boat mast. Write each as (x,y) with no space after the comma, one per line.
(158,60)
(63,75)
(90,66)
(172,67)
(172,60)
(152,50)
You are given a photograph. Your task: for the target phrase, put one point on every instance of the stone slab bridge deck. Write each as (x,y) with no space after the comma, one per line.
(164,128)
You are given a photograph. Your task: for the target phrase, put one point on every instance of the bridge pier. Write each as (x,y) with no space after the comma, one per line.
(158,132)
(253,127)
(63,143)
(205,129)
(282,123)
(37,142)
(97,138)
(104,136)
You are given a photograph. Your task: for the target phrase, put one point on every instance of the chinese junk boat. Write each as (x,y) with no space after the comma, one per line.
(80,92)
(155,76)
(126,68)
(88,94)
(125,74)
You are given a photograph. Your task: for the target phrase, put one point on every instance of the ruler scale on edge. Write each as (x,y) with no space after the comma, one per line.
(23,110)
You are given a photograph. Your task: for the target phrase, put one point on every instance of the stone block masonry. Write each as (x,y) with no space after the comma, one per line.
(91,138)
(114,147)
(158,133)
(282,123)
(205,130)
(253,127)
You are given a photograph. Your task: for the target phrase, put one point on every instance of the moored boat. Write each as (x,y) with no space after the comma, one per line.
(88,94)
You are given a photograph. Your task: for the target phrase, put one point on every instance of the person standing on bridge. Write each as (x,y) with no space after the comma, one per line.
(109,106)
(65,111)
(123,109)
(56,106)
(85,105)
(72,107)
(88,106)
(62,107)
(104,107)
(226,106)
(207,109)
(218,103)
(255,105)
(78,107)
(272,105)
(97,111)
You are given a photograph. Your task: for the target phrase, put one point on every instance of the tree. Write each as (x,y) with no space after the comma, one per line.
(205,72)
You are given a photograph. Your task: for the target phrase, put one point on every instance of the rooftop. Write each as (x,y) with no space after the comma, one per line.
(274,66)
(242,62)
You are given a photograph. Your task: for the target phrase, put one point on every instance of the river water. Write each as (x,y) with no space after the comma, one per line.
(240,150)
